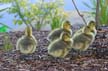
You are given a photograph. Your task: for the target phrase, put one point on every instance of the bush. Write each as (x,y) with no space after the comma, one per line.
(103,10)
(38,12)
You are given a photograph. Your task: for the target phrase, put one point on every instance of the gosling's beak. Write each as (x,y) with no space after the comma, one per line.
(92,31)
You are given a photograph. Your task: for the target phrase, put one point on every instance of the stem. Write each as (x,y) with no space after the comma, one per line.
(4,9)
(41,7)
(97,14)
(19,13)
(31,25)
(79,12)
(6,25)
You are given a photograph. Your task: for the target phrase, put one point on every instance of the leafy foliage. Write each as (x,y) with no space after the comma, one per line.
(58,18)
(48,12)
(4,27)
(6,1)
(7,43)
(103,10)
(20,10)
(38,12)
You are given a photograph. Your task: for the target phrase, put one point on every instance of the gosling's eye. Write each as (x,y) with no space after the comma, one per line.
(92,31)
(88,27)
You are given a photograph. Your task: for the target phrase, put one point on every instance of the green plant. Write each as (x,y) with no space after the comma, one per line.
(48,11)
(20,10)
(103,10)
(7,43)
(57,19)
(57,14)
(38,12)
(40,9)
(56,23)
(3,27)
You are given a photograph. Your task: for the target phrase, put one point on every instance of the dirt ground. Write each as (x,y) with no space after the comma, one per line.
(94,59)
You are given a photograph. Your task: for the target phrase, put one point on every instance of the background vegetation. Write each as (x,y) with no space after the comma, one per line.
(3,27)
(38,13)
(103,10)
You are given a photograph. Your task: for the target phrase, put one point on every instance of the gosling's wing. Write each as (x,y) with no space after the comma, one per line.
(56,45)
(58,49)
(35,44)
(18,43)
(78,41)
(78,38)
(54,34)
(34,40)
(31,49)
(28,50)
